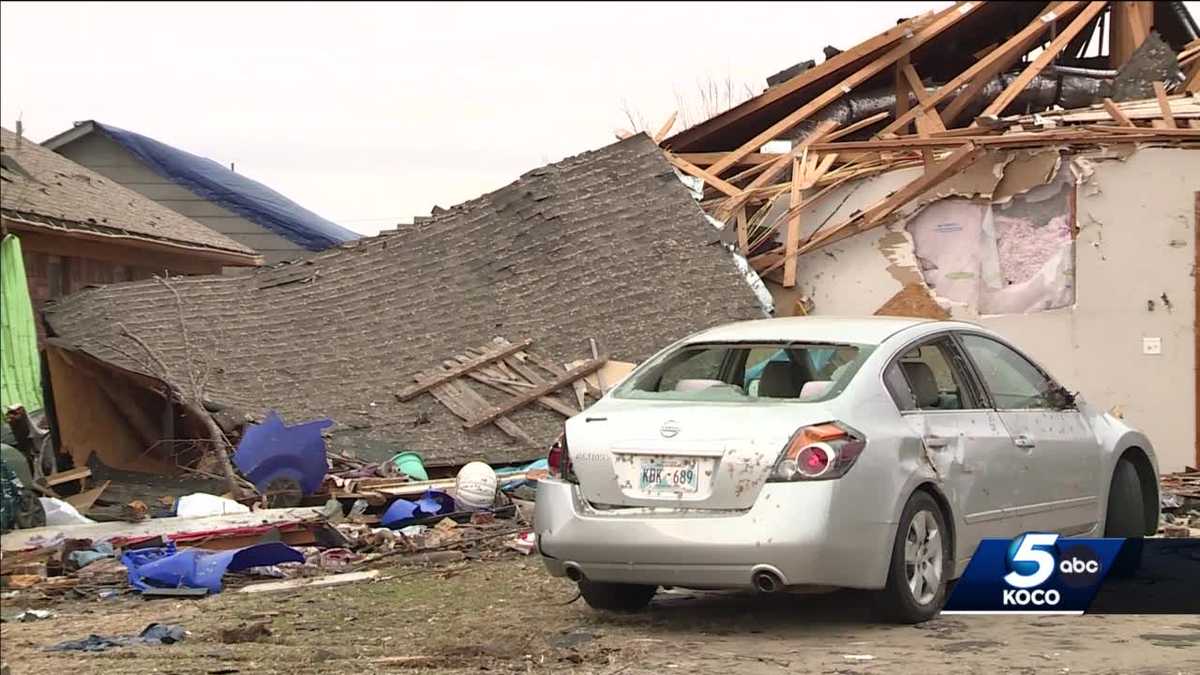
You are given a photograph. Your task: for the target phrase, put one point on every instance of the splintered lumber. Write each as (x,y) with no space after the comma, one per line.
(703,159)
(310,582)
(572,374)
(467,405)
(858,126)
(984,70)
(438,377)
(875,215)
(1115,112)
(1044,59)
(929,122)
(854,55)
(743,236)
(773,170)
(515,387)
(792,238)
(1160,92)
(666,128)
(709,178)
(68,476)
(943,21)
(84,501)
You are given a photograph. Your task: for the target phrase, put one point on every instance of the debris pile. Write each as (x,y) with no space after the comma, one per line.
(1180,504)
(937,92)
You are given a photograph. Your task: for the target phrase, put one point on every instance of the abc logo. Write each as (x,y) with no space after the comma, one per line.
(1032,561)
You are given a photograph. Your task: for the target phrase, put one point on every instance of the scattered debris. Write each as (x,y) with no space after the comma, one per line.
(154,634)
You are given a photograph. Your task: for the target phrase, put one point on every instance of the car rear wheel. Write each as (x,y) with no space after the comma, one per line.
(1125,517)
(616,597)
(921,563)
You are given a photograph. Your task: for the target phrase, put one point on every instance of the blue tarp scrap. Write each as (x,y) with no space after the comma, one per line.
(402,511)
(248,198)
(273,450)
(197,568)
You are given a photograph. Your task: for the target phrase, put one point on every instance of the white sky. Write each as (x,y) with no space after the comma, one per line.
(370,114)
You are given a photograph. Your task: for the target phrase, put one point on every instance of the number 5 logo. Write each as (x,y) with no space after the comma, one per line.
(1031,566)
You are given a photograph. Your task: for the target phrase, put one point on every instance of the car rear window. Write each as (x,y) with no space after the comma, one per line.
(733,372)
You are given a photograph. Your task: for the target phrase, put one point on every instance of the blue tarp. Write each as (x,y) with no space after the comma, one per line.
(196,568)
(248,198)
(273,450)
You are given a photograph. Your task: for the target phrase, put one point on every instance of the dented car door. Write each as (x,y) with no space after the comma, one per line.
(964,441)
(1050,439)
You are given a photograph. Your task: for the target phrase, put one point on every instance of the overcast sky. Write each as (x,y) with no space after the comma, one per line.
(370,114)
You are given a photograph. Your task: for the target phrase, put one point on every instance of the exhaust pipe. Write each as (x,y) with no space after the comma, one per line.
(766,581)
(574,573)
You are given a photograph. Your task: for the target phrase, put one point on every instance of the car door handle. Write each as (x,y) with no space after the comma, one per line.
(1024,441)
(936,442)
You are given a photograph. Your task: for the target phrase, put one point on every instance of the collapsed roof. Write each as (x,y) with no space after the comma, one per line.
(606,245)
(47,192)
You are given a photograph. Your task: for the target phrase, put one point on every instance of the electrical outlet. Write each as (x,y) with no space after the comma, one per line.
(1152,345)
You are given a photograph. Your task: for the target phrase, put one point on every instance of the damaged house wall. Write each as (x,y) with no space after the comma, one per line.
(1131,274)
(606,245)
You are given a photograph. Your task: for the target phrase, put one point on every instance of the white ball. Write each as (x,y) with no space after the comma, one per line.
(475,487)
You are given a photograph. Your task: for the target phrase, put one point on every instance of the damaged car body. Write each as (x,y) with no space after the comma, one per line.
(866,453)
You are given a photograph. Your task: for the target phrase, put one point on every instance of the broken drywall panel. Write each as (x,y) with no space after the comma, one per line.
(1027,170)
(897,247)
(846,278)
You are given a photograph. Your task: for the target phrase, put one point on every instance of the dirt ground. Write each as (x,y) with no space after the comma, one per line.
(508,615)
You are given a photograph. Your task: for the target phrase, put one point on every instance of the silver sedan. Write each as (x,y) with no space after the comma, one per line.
(870,453)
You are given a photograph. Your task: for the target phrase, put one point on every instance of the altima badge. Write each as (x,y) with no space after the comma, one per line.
(669,429)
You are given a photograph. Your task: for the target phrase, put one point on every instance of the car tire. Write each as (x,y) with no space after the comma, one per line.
(616,597)
(1126,518)
(908,598)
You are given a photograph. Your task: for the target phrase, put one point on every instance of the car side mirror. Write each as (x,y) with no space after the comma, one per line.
(1060,398)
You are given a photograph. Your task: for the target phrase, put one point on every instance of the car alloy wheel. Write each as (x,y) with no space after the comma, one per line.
(923,557)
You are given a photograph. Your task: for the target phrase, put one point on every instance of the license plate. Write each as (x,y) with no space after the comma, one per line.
(670,475)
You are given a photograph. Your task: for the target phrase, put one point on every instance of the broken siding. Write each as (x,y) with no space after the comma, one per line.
(1135,245)
(105,156)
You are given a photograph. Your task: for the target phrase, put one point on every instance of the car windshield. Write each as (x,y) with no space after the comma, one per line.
(733,372)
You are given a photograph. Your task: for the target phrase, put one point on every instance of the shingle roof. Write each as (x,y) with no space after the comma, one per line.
(39,183)
(607,244)
(213,181)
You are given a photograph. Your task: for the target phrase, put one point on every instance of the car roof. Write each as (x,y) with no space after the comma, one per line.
(869,330)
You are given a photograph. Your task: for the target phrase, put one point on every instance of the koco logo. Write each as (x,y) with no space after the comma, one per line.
(1034,557)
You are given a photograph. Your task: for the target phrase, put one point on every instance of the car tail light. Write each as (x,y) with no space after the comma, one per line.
(818,452)
(559,459)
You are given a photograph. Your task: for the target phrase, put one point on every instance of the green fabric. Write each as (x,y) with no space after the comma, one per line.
(20,366)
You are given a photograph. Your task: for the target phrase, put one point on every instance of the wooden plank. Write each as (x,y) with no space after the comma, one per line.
(1160,92)
(1044,59)
(1129,26)
(1114,111)
(525,399)
(774,169)
(709,178)
(857,126)
(424,383)
(985,69)
(478,404)
(792,237)
(665,128)
(902,89)
(850,57)
(68,476)
(1192,84)
(929,119)
(84,500)
(945,20)
(310,582)
(556,370)
(517,389)
(703,159)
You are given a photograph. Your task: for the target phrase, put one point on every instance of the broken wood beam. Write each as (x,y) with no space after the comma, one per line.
(525,399)
(466,404)
(943,20)
(792,236)
(773,170)
(439,377)
(1114,111)
(709,178)
(984,70)
(518,388)
(1160,92)
(665,128)
(1044,59)
(703,159)
(68,476)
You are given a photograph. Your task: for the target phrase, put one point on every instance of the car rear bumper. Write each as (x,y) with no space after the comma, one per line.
(805,533)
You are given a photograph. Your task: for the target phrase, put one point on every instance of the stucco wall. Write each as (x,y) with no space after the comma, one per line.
(104,156)
(1136,243)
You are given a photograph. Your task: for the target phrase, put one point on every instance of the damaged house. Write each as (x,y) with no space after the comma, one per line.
(607,246)
(1032,167)
(239,207)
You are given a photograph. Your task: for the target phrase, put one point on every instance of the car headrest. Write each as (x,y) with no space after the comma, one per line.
(778,381)
(923,383)
(696,384)
(814,389)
